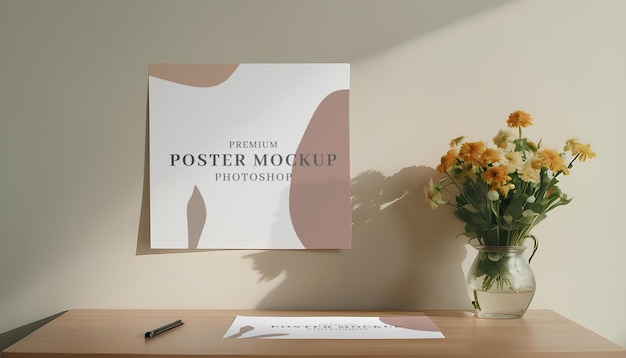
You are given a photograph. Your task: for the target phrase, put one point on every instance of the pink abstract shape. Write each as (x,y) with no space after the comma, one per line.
(319,198)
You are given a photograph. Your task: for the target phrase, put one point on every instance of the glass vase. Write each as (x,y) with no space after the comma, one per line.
(500,282)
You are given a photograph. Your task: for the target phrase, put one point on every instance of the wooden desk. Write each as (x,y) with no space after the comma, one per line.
(120,333)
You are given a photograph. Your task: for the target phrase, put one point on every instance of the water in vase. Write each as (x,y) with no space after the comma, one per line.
(507,304)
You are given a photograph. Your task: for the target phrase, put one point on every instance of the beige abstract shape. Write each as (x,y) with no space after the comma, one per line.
(419,323)
(196,217)
(196,75)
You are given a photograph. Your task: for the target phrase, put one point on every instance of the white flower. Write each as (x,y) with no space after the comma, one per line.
(493,195)
(514,161)
(494,256)
(530,174)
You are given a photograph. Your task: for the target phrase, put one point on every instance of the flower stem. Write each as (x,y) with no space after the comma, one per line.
(475,301)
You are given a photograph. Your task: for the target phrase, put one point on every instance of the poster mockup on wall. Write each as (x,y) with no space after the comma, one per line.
(249,156)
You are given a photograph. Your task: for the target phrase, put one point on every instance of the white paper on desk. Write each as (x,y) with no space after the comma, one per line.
(333,327)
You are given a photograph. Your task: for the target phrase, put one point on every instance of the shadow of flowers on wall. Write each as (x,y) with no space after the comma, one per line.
(404,255)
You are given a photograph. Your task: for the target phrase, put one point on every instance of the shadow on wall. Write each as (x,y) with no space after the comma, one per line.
(404,255)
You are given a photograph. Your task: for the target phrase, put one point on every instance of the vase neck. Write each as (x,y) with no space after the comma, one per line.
(489,248)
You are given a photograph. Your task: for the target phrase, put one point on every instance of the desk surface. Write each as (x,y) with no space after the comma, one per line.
(120,333)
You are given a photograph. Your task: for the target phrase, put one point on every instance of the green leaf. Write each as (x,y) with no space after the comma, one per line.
(516,205)
(529,213)
(527,220)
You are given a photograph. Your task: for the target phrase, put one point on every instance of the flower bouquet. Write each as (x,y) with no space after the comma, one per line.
(502,191)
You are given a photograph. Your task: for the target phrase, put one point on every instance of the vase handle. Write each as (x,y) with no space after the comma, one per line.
(535,245)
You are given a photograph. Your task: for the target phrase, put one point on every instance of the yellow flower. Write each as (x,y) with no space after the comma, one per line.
(535,162)
(471,152)
(519,119)
(432,192)
(572,145)
(456,141)
(503,138)
(468,171)
(586,152)
(448,160)
(582,150)
(504,189)
(551,159)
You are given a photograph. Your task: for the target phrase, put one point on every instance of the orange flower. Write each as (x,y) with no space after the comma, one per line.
(448,160)
(551,159)
(519,119)
(490,156)
(472,152)
(496,176)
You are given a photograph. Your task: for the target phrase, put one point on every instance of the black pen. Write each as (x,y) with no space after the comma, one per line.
(162,329)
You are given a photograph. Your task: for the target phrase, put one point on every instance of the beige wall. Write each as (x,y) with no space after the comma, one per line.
(73,92)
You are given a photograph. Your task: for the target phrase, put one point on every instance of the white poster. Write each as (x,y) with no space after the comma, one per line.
(333,327)
(249,156)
